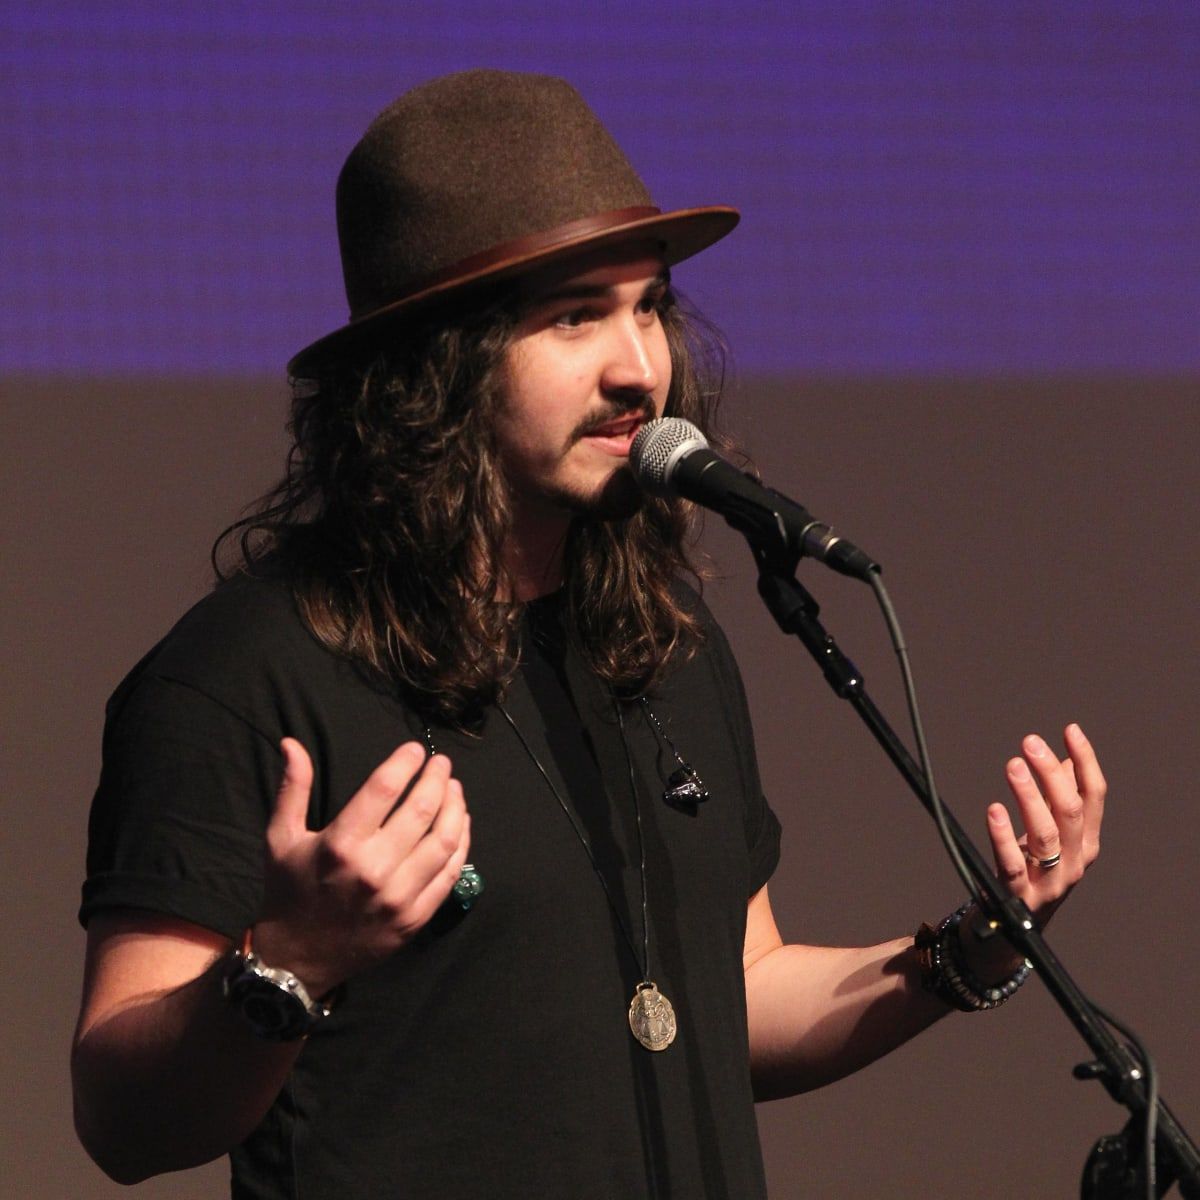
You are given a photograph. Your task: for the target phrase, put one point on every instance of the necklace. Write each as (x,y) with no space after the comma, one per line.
(651,1014)
(470,884)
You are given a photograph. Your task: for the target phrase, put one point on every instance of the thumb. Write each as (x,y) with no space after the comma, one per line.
(290,816)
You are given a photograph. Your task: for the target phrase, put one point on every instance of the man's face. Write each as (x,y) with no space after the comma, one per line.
(588,366)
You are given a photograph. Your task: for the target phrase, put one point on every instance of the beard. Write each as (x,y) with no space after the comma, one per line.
(618,499)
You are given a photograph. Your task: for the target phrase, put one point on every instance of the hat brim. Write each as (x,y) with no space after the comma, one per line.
(678,235)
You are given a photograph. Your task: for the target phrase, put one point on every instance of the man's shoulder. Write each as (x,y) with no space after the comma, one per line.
(711,654)
(690,598)
(245,617)
(247,628)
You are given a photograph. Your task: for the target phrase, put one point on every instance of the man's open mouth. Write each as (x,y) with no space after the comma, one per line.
(620,428)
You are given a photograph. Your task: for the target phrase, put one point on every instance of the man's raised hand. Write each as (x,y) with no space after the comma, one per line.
(1061,802)
(343,898)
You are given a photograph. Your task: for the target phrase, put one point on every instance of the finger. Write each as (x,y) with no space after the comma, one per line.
(1068,766)
(290,814)
(1091,786)
(1084,761)
(368,808)
(1011,868)
(433,810)
(434,893)
(1063,802)
(430,856)
(1041,832)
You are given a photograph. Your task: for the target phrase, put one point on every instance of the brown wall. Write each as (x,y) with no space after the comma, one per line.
(1039,543)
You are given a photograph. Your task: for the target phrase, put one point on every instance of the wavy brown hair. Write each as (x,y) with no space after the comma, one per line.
(390,519)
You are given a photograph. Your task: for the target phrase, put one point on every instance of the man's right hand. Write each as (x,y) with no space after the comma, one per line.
(340,900)
(165,1074)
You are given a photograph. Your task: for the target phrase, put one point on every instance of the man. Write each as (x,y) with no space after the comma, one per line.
(456,632)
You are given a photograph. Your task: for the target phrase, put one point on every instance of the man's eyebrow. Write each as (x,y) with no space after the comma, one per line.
(596,291)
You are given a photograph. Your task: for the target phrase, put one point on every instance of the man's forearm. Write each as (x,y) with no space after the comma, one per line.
(817,1013)
(172,1079)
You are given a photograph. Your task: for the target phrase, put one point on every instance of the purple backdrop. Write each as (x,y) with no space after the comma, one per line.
(925,188)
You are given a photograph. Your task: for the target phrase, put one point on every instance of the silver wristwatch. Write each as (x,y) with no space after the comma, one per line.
(272,1001)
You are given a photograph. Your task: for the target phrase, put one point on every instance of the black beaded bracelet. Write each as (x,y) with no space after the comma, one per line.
(945,973)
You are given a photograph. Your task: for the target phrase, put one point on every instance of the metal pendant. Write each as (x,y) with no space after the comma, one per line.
(651,1017)
(685,787)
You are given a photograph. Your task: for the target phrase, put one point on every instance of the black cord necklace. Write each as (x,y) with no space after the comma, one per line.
(651,1014)
(652,1018)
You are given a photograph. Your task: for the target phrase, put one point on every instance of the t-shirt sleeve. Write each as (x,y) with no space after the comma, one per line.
(177,822)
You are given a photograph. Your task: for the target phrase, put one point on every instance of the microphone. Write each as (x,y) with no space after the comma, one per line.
(671,457)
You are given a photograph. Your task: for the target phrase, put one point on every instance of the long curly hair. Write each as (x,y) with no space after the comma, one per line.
(391,515)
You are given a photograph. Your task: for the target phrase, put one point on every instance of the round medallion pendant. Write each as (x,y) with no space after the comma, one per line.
(651,1017)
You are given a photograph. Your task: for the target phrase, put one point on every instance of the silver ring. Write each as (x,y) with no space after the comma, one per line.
(1050,863)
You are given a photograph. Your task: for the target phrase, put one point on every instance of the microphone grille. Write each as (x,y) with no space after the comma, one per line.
(656,448)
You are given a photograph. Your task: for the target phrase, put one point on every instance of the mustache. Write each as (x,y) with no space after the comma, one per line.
(636,406)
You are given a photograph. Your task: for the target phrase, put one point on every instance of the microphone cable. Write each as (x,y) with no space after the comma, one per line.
(938,810)
(1136,1046)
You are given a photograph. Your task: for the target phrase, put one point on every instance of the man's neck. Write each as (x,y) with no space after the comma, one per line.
(533,554)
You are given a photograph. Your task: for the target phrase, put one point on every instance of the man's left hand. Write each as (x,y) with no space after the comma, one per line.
(1061,802)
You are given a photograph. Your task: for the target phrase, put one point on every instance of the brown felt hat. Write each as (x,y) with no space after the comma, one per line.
(475,178)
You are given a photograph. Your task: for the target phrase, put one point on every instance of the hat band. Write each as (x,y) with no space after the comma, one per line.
(519,249)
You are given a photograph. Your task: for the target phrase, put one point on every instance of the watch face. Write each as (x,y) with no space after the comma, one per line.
(271,1010)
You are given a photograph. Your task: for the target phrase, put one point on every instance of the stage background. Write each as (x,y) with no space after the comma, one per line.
(963,305)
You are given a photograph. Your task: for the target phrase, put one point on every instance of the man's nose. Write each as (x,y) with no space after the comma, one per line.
(631,364)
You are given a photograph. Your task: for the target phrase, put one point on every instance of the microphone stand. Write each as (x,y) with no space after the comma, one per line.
(1114,1170)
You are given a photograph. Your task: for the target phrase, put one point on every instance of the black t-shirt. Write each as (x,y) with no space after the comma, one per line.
(490,1057)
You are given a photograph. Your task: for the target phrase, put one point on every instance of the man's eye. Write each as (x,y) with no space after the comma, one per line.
(657,302)
(574,318)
